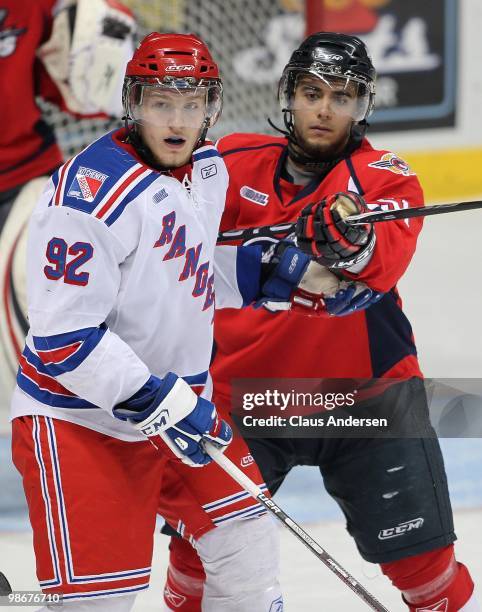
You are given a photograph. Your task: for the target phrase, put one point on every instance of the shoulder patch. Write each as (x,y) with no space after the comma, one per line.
(257,197)
(86,184)
(392,163)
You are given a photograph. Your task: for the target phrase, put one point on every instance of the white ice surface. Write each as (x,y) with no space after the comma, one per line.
(308,585)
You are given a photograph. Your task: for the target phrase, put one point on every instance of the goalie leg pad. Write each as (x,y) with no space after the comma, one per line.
(241,561)
(13,308)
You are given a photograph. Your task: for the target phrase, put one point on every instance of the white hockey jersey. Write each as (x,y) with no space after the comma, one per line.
(123,269)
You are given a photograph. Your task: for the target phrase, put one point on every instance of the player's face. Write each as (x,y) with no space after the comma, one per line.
(171,123)
(323,115)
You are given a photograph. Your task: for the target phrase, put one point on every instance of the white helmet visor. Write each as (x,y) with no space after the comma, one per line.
(178,104)
(310,90)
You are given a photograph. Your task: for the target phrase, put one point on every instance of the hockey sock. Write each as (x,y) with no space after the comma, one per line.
(241,561)
(185,578)
(431,581)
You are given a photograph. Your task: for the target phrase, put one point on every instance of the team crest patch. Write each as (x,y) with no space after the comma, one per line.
(86,184)
(392,163)
(8,36)
(258,197)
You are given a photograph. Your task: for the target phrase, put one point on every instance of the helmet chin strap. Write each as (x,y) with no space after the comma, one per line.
(144,152)
(319,164)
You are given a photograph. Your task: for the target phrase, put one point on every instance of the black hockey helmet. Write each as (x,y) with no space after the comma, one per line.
(331,54)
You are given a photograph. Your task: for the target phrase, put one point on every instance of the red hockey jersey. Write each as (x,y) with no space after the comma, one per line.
(377,342)
(27,144)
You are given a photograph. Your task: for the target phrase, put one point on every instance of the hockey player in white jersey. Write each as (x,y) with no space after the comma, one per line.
(113,389)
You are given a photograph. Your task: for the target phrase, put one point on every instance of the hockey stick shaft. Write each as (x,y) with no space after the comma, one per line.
(248,485)
(377,216)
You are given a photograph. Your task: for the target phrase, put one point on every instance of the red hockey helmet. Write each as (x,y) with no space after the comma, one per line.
(176,62)
(180,55)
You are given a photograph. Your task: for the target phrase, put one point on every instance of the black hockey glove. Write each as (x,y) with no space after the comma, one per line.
(322,233)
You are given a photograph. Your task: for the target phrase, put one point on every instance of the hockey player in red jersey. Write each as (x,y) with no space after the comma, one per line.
(72,53)
(324,168)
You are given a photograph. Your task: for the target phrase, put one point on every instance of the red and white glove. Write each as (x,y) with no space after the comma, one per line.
(322,232)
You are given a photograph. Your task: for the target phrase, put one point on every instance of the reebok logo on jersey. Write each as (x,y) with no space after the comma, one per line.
(392,163)
(86,184)
(258,197)
(401,529)
(209,171)
(440,606)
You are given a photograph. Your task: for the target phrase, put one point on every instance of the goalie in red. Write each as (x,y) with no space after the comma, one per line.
(327,92)
(73,54)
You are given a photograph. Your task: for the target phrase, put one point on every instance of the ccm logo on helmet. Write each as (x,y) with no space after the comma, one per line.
(180,68)
(327,56)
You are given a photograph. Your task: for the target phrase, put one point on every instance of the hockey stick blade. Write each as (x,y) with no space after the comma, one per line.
(277,232)
(5,588)
(248,485)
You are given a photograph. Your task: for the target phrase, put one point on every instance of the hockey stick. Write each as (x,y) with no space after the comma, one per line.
(248,485)
(277,232)
(5,588)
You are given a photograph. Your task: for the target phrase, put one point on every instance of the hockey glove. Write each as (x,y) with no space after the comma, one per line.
(86,54)
(294,282)
(322,233)
(176,418)
(350,298)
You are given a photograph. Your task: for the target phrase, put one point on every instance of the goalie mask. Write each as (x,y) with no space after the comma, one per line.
(172,80)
